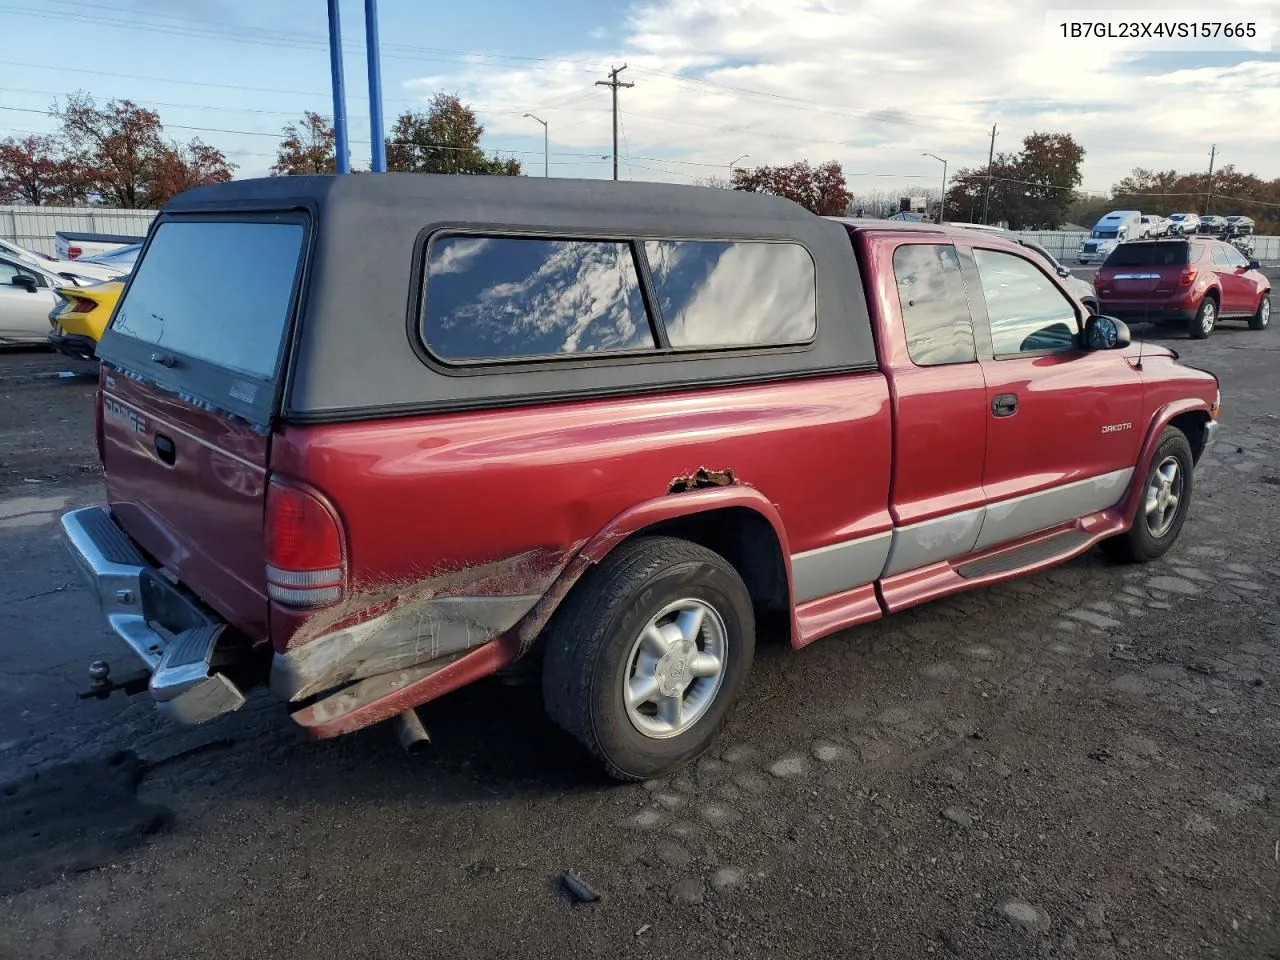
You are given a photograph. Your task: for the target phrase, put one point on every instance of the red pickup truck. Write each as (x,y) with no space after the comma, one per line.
(369,439)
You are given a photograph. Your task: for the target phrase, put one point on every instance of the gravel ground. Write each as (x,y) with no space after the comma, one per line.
(1082,763)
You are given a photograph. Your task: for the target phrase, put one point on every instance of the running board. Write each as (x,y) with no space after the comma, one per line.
(1030,554)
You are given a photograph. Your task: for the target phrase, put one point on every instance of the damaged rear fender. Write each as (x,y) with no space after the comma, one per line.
(636,521)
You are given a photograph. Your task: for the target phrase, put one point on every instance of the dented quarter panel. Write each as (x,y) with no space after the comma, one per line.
(520,503)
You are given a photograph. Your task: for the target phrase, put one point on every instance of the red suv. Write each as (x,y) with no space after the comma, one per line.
(368,439)
(1196,281)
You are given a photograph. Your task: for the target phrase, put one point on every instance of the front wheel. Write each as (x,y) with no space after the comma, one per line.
(1166,497)
(646,657)
(1262,317)
(1206,319)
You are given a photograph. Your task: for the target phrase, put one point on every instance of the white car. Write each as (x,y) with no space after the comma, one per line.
(81,271)
(72,246)
(26,299)
(1183,224)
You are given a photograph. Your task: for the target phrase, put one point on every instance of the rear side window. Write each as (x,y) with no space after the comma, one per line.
(739,293)
(215,291)
(1161,254)
(935,307)
(1219,256)
(510,298)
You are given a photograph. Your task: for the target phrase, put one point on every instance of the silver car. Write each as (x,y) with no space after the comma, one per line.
(26,299)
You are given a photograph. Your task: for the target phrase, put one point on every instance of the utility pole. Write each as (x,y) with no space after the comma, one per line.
(546,141)
(615,83)
(1213,153)
(991,159)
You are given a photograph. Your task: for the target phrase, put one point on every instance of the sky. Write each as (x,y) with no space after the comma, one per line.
(874,84)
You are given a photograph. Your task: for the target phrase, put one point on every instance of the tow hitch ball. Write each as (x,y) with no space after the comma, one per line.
(102,686)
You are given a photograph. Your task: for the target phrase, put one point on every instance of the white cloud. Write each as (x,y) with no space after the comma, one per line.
(873,83)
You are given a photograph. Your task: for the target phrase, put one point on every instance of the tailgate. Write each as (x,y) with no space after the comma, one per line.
(190,365)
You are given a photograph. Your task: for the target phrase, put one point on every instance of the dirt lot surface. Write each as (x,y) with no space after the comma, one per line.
(1084,763)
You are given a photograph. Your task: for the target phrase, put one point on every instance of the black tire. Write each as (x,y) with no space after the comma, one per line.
(590,641)
(1206,319)
(1140,544)
(1261,318)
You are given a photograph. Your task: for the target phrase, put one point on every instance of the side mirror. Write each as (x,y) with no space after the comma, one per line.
(1254,265)
(1105,333)
(25,282)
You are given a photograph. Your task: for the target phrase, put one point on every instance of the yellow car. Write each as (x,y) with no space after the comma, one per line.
(81,316)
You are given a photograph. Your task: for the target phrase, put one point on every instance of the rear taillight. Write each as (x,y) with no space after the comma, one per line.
(1187,277)
(81,305)
(306,562)
(73,252)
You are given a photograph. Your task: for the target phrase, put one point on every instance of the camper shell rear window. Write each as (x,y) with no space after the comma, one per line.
(208,308)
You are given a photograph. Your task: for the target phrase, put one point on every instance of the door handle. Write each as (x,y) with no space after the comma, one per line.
(1005,404)
(165,449)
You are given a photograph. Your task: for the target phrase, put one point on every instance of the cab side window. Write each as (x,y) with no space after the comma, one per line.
(1219,257)
(1235,258)
(935,307)
(1028,313)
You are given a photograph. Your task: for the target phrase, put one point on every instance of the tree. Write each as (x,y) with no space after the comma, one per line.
(183,166)
(821,189)
(118,145)
(444,139)
(308,147)
(717,183)
(34,170)
(1030,190)
(126,161)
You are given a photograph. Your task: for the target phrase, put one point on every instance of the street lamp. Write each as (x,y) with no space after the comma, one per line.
(942,204)
(546,163)
(732,164)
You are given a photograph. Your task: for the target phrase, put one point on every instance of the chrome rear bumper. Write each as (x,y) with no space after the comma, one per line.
(130,592)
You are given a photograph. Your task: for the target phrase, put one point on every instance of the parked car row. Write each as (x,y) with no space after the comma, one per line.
(60,302)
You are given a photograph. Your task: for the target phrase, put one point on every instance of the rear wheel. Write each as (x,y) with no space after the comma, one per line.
(1166,497)
(646,657)
(1206,319)
(1262,318)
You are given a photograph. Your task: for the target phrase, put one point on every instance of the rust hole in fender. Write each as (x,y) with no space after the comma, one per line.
(702,477)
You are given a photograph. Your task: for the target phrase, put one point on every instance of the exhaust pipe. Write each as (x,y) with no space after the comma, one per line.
(411,733)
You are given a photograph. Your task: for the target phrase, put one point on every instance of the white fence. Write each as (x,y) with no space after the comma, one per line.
(1064,245)
(34,227)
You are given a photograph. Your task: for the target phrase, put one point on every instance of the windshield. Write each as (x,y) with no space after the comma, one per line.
(1178,216)
(1105,234)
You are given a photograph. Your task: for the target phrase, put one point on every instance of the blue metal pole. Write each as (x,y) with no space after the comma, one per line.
(339,89)
(379,164)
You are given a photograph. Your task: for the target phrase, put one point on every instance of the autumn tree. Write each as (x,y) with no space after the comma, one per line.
(1231,192)
(443,139)
(1030,190)
(126,160)
(820,189)
(181,166)
(35,170)
(307,147)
